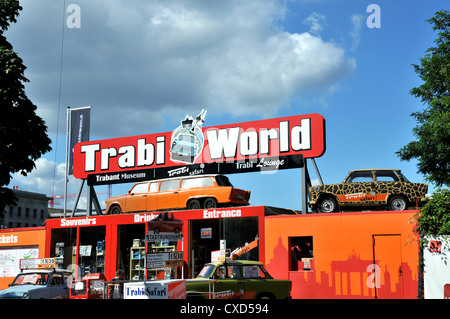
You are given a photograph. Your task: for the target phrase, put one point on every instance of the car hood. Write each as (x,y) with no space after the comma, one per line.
(115,198)
(17,291)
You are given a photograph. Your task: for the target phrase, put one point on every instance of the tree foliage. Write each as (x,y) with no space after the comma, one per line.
(23,134)
(434,218)
(432,147)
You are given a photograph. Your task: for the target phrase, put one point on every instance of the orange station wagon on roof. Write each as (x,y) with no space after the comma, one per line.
(191,192)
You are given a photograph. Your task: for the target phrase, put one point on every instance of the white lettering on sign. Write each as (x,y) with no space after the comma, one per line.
(224,142)
(140,218)
(78,222)
(296,135)
(221,213)
(9,239)
(145,154)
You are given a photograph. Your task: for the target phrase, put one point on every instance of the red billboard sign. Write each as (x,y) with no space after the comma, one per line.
(191,144)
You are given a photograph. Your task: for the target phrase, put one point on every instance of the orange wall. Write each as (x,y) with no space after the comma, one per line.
(21,238)
(343,248)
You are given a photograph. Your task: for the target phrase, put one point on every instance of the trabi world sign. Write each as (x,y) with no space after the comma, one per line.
(194,149)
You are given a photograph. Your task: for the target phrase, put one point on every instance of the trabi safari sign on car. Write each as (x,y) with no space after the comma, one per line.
(254,144)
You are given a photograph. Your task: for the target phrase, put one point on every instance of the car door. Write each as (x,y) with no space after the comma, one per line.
(167,196)
(137,198)
(229,283)
(387,182)
(152,196)
(359,189)
(58,288)
(255,281)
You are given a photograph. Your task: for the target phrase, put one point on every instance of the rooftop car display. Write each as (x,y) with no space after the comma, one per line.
(368,188)
(191,192)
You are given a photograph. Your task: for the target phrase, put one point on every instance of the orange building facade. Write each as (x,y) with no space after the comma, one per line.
(344,255)
(16,244)
(340,255)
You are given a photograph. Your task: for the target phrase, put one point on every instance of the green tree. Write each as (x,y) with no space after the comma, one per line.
(432,147)
(23,134)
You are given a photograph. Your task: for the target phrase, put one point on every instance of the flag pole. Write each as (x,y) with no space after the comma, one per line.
(66,177)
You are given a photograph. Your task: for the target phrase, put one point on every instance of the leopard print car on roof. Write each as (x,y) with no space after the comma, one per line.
(369,193)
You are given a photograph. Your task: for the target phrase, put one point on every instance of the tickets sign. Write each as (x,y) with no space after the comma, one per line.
(129,158)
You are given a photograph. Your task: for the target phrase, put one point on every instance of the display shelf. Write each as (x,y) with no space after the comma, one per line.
(137,268)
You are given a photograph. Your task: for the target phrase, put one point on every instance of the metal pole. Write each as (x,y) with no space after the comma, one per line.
(78,198)
(317,171)
(67,159)
(304,188)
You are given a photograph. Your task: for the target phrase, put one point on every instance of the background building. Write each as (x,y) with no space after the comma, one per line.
(31,210)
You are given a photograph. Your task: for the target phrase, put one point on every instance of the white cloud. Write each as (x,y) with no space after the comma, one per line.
(315,20)
(136,62)
(355,32)
(49,180)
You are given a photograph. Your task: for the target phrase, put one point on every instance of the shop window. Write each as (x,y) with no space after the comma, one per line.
(236,232)
(92,250)
(131,250)
(301,253)
(63,246)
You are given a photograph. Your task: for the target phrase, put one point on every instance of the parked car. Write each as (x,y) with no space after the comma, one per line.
(191,192)
(368,188)
(237,279)
(38,284)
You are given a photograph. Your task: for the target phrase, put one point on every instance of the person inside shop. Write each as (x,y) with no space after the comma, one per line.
(117,288)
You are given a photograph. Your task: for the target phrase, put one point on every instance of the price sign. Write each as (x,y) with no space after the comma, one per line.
(165,259)
(37,263)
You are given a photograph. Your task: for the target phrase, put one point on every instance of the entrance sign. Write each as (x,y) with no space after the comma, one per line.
(192,150)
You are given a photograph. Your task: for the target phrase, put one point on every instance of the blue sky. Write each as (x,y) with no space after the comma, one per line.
(142,65)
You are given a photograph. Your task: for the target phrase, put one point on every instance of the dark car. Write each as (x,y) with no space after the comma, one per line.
(237,279)
(368,188)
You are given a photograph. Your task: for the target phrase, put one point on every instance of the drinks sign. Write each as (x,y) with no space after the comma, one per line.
(193,149)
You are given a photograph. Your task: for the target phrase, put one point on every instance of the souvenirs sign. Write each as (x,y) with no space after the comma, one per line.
(192,149)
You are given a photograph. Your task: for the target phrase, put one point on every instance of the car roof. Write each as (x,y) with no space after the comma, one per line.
(43,270)
(178,177)
(374,169)
(236,262)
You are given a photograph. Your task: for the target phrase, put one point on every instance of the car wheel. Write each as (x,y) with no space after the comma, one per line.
(194,204)
(210,203)
(116,210)
(398,203)
(328,205)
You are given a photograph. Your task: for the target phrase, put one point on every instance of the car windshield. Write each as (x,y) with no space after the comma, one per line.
(404,178)
(31,279)
(206,271)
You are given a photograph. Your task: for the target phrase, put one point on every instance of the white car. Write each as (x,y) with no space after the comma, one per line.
(38,284)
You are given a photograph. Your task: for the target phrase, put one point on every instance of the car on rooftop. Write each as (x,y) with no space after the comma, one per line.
(191,192)
(368,189)
(237,279)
